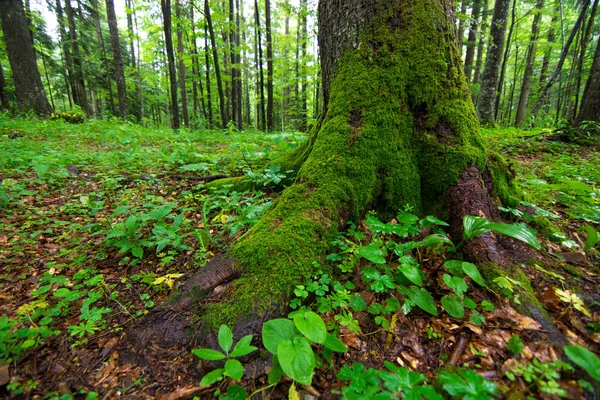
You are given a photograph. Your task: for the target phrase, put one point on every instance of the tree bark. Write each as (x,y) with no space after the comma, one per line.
(584,45)
(216,62)
(489,83)
(64,40)
(480,51)
(211,122)
(461,25)
(111,99)
(180,47)
(117,59)
(472,39)
(529,64)
(261,81)
(398,128)
(3,96)
(590,102)
(81,98)
(166,11)
(29,88)
(270,100)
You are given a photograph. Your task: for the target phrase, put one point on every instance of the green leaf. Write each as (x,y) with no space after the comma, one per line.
(456,283)
(137,251)
(422,299)
(515,344)
(585,359)
(208,354)
(453,306)
(372,253)
(276,331)
(161,212)
(234,392)
(454,266)
(243,347)
(225,338)
(431,220)
(473,272)
(62,292)
(297,360)
(275,375)
(474,226)
(311,326)
(212,377)
(434,239)
(234,369)
(335,344)
(410,268)
(592,237)
(27,344)
(519,232)
(468,383)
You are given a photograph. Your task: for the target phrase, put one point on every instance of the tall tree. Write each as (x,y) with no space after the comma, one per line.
(115,43)
(211,122)
(462,17)
(472,39)
(489,82)
(4,103)
(180,47)
(29,89)
(270,103)
(65,40)
(529,64)
(398,128)
(166,12)
(590,102)
(80,94)
(261,116)
(137,109)
(213,42)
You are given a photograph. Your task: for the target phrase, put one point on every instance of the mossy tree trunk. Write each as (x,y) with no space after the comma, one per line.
(399,128)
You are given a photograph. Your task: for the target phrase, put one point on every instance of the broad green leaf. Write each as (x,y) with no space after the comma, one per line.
(311,326)
(275,374)
(234,369)
(62,292)
(474,226)
(435,239)
(453,306)
(243,347)
(422,298)
(431,220)
(297,360)
(473,272)
(137,251)
(470,303)
(410,268)
(592,237)
(519,232)
(335,344)
(276,331)
(585,359)
(208,354)
(161,212)
(225,338)
(468,383)
(27,344)
(234,392)
(212,377)
(456,283)
(372,253)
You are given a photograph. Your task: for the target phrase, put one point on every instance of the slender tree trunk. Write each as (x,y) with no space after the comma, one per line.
(216,63)
(211,122)
(29,88)
(243,27)
(137,109)
(513,24)
(270,100)
(180,47)
(81,98)
(234,68)
(489,83)
(198,90)
(550,39)
(117,59)
(584,45)
(261,105)
(480,49)
(529,64)
(563,56)
(461,25)
(166,11)
(45,65)
(472,39)
(590,102)
(238,63)
(111,99)
(3,96)
(304,80)
(64,39)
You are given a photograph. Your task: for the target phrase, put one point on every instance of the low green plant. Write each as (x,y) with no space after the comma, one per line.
(587,360)
(541,375)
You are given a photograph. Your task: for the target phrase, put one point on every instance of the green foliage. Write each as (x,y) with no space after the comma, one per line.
(587,360)
(543,375)
(468,384)
(475,226)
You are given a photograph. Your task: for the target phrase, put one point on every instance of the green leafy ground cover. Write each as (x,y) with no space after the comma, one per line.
(100,222)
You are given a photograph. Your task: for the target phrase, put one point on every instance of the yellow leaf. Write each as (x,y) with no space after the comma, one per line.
(293,393)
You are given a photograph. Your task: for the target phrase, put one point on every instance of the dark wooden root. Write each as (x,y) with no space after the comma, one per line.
(473,195)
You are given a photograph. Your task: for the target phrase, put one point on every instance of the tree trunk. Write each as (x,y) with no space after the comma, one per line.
(198,90)
(234,68)
(480,51)
(261,81)
(29,88)
(461,25)
(216,62)
(584,45)
(64,40)
(398,128)
(489,83)
(3,96)
(590,102)
(117,59)
(303,41)
(550,41)
(472,39)
(211,122)
(270,103)
(529,64)
(100,37)
(81,98)
(166,11)
(180,47)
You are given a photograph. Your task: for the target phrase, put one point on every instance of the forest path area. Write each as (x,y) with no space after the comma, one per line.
(100,222)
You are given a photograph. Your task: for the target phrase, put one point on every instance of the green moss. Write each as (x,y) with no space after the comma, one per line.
(237,183)
(503,177)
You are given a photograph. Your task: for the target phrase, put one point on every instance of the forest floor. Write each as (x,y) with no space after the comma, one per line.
(100,222)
